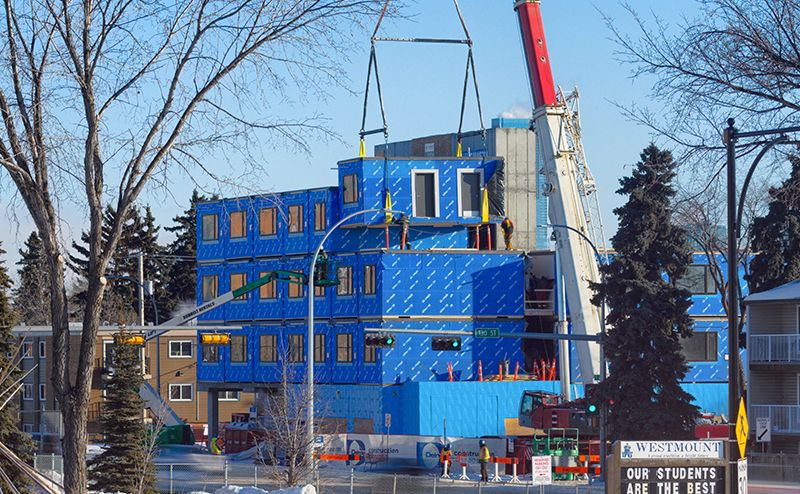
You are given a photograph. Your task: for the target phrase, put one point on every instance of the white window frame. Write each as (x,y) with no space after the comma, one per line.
(42,350)
(225,396)
(27,391)
(42,392)
(471,171)
(436,200)
(181,355)
(181,385)
(27,349)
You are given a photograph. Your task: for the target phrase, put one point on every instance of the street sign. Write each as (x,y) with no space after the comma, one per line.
(741,466)
(763,429)
(487,332)
(742,428)
(387,420)
(542,470)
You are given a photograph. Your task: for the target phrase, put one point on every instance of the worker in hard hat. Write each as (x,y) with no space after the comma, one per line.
(446,460)
(508,231)
(483,459)
(217,445)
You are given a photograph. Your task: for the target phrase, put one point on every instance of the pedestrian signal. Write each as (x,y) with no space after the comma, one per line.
(215,339)
(129,339)
(379,340)
(443,344)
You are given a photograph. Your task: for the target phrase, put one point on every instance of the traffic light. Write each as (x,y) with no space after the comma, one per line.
(129,339)
(446,343)
(379,340)
(592,400)
(215,339)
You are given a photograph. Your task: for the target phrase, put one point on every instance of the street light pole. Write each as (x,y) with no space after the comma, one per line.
(603,410)
(310,332)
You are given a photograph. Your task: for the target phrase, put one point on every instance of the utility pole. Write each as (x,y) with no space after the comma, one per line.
(140,255)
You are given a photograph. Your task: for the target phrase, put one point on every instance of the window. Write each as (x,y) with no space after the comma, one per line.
(27,428)
(319,348)
(296,218)
(267,290)
(268,348)
(181,392)
(470,184)
(210,229)
(42,391)
(210,354)
(319,291)
(344,348)
(180,349)
(295,289)
(369,279)
(42,353)
(698,280)
(229,395)
(238,224)
(345,276)
(27,391)
(238,348)
(266,222)
(700,347)
(210,287)
(27,349)
(319,217)
(295,350)
(239,280)
(425,186)
(350,190)
(370,353)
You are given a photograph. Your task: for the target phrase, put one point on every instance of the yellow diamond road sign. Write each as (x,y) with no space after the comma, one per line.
(742,428)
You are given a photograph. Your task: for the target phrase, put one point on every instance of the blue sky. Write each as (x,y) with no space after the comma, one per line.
(422,86)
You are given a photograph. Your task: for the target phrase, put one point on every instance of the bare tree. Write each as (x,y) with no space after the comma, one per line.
(123,93)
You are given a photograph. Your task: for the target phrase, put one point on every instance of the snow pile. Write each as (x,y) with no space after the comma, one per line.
(234,489)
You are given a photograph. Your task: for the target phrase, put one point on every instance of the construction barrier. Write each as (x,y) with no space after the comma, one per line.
(508,461)
(324,457)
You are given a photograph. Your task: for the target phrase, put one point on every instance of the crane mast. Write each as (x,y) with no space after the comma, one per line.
(569,187)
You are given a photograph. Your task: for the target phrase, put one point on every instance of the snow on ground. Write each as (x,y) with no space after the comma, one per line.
(232,489)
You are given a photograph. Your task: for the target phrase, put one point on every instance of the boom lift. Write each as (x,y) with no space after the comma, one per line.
(569,187)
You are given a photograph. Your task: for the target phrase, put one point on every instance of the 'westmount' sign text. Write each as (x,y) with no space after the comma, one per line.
(635,450)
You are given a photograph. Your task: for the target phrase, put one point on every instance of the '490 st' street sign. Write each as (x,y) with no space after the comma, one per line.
(487,333)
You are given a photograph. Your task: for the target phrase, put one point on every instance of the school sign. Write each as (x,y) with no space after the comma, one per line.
(667,467)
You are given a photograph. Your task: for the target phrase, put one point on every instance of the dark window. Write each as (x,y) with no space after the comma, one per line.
(319,348)
(369,353)
(296,218)
(267,290)
(239,280)
(698,280)
(238,224)
(345,276)
(425,194)
(344,348)
(268,348)
(180,349)
(350,192)
(210,287)
(238,348)
(470,194)
(369,279)
(210,230)
(319,217)
(295,289)
(266,221)
(295,350)
(319,291)
(210,354)
(700,347)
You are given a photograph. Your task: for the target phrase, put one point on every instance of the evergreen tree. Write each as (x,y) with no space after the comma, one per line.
(124,464)
(648,312)
(10,434)
(776,237)
(139,235)
(32,296)
(182,284)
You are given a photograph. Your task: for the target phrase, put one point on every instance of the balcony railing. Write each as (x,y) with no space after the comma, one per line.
(542,303)
(784,418)
(774,348)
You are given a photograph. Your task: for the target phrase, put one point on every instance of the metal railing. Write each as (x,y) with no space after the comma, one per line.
(774,348)
(784,418)
(542,304)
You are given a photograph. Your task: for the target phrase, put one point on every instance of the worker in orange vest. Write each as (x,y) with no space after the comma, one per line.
(446,460)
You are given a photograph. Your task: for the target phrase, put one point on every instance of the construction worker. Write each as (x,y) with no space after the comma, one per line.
(508,231)
(217,445)
(483,459)
(403,221)
(446,461)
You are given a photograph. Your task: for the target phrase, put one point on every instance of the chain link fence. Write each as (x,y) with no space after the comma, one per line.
(182,478)
(773,467)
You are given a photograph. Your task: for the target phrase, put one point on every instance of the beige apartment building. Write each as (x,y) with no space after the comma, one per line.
(170,364)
